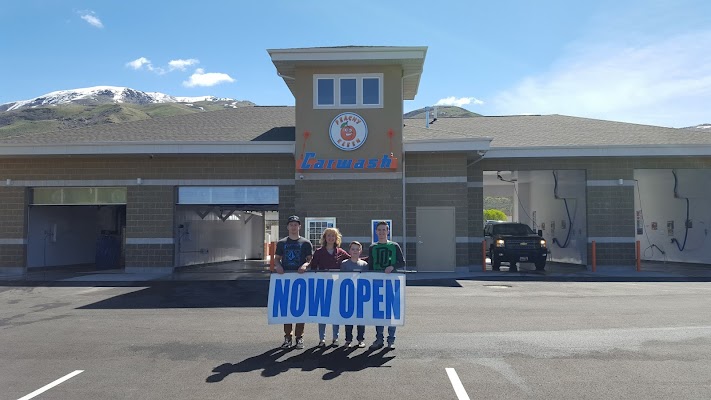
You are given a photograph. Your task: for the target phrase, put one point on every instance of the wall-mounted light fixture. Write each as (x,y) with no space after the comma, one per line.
(139,181)
(620,181)
(8,182)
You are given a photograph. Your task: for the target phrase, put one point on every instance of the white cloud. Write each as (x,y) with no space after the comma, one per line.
(178,64)
(665,82)
(182,64)
(139,63)
(92,19)
(459,102)
(202,78)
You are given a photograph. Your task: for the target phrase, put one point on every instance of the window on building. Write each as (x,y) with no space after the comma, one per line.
(371,91)
(325,92)
(315,227)
(348,91)
(78,195)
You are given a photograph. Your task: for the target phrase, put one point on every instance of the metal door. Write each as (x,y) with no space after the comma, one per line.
(436,240)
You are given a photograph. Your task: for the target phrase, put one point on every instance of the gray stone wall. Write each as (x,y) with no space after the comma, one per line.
(438,180)
(13,220)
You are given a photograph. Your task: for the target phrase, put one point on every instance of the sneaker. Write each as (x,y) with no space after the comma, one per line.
(287,343)
(361,344)
(322,343)
(391,346)
(299,343)
(334,343)
(348,344)
(378,343)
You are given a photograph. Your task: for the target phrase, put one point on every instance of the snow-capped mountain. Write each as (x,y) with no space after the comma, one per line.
(103,95)
(702,126)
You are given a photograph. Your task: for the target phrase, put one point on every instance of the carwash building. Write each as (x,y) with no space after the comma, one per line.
(212,187)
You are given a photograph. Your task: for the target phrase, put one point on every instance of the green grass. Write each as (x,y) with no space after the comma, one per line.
(167,110)
(23,127)
(68,116)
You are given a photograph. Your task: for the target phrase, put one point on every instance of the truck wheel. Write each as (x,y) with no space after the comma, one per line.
(495,262)
(513,267)
(540,265)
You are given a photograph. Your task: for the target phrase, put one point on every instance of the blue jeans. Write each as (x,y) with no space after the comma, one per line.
(349,333)
(322,331)
(391,333)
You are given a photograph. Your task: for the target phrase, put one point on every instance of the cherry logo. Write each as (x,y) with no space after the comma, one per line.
(347,132)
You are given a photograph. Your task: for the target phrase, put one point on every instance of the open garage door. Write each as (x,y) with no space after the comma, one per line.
(553,201)
(672,214)
(81,227)
(219,224)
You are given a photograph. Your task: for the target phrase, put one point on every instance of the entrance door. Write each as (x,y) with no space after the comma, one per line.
(436,240)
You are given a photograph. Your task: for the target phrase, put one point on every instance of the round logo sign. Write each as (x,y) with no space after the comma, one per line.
(348,131)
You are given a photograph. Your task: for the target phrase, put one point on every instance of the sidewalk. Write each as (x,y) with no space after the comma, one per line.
(650,272)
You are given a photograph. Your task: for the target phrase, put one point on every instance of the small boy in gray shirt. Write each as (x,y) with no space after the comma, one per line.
(355,264)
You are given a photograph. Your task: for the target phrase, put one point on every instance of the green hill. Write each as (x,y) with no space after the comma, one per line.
(68,116)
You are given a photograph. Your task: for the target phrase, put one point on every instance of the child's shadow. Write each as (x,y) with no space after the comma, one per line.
(261,361)
(337,361)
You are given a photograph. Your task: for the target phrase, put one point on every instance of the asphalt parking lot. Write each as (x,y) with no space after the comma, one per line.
(500,340)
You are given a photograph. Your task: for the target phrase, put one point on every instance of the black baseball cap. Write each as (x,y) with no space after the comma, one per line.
(293,218)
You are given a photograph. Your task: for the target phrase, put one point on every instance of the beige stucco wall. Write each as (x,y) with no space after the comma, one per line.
(379,120)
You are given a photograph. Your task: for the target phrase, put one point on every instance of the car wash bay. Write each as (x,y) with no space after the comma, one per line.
(553,201)
(76,226)
(221,224)
(672,214)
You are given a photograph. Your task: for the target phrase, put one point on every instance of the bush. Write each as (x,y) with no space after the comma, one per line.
(504,204)
(494,214)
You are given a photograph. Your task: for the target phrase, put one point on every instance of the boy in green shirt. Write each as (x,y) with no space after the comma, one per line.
(384,256)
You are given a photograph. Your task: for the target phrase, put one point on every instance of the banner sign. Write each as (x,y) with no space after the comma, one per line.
(339,298)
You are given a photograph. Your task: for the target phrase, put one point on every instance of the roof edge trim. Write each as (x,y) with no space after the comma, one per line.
(348,53)
(600,151)
(446,145)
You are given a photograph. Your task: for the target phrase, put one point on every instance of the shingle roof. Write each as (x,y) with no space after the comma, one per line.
(269,124)
(557,131)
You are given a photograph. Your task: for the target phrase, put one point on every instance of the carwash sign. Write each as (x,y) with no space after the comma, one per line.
(348,132)
(312,162)
(344,298)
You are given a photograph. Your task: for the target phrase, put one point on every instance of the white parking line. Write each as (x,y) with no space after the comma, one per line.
(457,384)
(51,385)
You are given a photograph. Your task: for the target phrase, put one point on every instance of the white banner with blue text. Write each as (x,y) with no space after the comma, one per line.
(339,298)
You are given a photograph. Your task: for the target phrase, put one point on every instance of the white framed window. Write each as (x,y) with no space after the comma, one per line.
(325,92)
(77,195)
(348,91)
(315,226)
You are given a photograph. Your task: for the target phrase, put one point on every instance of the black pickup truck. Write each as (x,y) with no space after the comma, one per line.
(514,242)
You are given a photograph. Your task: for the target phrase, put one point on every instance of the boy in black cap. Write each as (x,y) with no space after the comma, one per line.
(293,253)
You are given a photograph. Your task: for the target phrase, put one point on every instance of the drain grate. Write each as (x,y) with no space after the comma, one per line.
(498,286)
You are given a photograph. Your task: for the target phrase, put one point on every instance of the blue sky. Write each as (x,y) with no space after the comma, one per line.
(636,61)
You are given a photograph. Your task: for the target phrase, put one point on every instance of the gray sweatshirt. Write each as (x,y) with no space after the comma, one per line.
(350,266)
